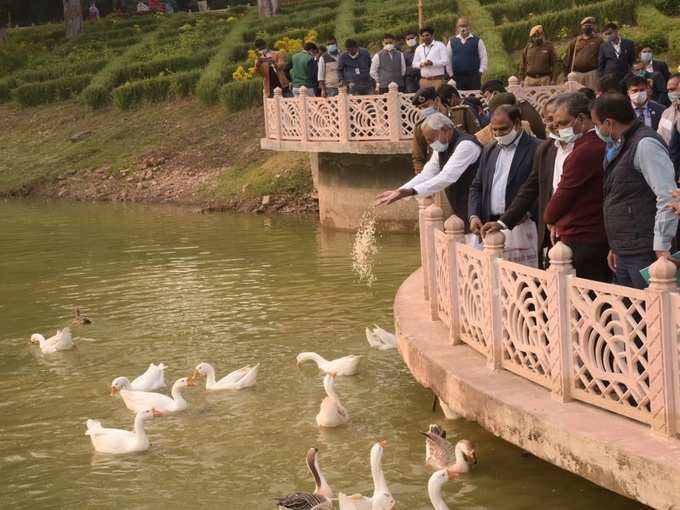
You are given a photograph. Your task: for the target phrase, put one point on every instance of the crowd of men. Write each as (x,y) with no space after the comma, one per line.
(598,171)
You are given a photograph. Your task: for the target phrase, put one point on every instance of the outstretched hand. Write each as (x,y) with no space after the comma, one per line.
(389,197)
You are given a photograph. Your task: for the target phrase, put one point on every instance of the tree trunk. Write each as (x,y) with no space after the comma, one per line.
(73,17)
(264,8)
(276,7)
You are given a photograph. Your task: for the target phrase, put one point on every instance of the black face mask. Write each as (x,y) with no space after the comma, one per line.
(588,30)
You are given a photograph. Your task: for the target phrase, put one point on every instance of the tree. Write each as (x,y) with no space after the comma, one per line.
(268,7)
(73,17)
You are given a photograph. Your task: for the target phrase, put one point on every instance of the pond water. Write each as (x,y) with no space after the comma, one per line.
(164,284)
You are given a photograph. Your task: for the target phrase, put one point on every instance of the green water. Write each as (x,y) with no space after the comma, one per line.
(164,284)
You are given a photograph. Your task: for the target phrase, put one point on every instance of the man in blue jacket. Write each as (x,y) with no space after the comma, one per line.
(648,111)
(354,68)
(616,56)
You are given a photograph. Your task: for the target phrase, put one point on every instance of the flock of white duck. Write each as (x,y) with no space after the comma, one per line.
(142,398)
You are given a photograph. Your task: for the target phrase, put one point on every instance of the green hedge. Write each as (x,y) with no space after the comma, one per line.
(58,71)
(33,94)
(654,29)
(516,10)
(515,35)
(208,87)
(344,21)
(155,89)
(240,95)
(6,87)
(674,45)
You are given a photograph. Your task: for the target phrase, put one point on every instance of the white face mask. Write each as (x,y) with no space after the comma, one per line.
(507,139)
(567,135)
(639,98)
(438,146)
(426,112)
(411,42)
(389,47)
(646,57)
(673,97)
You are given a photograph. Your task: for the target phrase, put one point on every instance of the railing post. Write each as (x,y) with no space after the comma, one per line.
(423,203)
(559,329)
(343,114)
(265,98)
(493,248)
(515,86)
(662,349)
(571,84)
(302,97)
(278,96)
(455,233)
(434,220)
(394,112)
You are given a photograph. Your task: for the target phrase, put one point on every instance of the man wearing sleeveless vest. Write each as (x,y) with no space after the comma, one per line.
(467,57)
(638,183)
(328,69)
(387,66)
(452,166)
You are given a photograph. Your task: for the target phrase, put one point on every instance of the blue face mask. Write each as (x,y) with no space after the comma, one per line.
(332,48)
(426,112)
(605,138)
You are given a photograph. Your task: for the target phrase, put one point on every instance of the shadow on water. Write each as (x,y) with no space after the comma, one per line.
(163,284)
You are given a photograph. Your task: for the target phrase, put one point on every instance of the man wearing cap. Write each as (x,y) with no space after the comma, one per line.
(538,59)
(467,57)
(431,58)
(452,166)
(461,114)
(582,55)
(616,56)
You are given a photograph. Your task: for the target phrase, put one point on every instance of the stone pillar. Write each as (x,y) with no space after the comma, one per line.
(559,330)
(662,350)
(434,220)
(343,114)
(394,112)
(302,97)
(423,203)
(455,233)
(278,96)
(494,243)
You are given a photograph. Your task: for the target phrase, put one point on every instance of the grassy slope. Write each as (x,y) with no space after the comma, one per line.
(36,147)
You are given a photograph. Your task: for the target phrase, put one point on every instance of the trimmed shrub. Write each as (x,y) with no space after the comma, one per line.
(33,94)
(669,7)
(155,89)
(515,35)
(515,10)
(240,95)
(6,87)
(151,68)
(344,22)
(674,44)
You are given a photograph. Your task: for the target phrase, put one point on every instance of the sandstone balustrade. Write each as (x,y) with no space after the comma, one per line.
(381,124)
(603,344)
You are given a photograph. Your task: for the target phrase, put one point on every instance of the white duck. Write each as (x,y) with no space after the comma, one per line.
(347,365)
(107,440)
(320,499)
(380,338)
(382,498)
(139,400)
(61,341)
(331,413)
(440,453)
(237,380)
(151,380)
(434,488)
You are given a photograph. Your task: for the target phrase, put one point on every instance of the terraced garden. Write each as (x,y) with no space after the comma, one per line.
(152,58)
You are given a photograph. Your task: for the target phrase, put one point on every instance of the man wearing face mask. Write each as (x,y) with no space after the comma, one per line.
(387,66)
(451,168)
(461,114)
(638,182)
(431,58)
(412,77)
(270,65)
(538,188)
(669,127)
(504,167)
(354,69)
(493,89)
(649,112)
(582,55)
(538,60)
(466,56)
(575,209)
(328,69)
(616,56)
(658,71)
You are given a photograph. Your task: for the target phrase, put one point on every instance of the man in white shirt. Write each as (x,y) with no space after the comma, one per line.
(431,58)
(504,166)
(466,57)
(452,166)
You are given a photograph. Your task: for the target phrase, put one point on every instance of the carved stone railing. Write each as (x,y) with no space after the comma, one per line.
(381,123)
(606,345)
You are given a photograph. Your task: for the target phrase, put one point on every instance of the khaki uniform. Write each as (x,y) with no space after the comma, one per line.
(485,135)
(538,64)
(582,60)
(462,117)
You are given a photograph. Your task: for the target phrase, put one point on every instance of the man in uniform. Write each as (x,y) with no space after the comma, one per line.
(538,59)
(582,55)
(462,115)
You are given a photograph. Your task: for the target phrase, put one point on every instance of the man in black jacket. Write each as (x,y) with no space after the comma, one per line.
(649,112)
(504,166)
(616,56)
